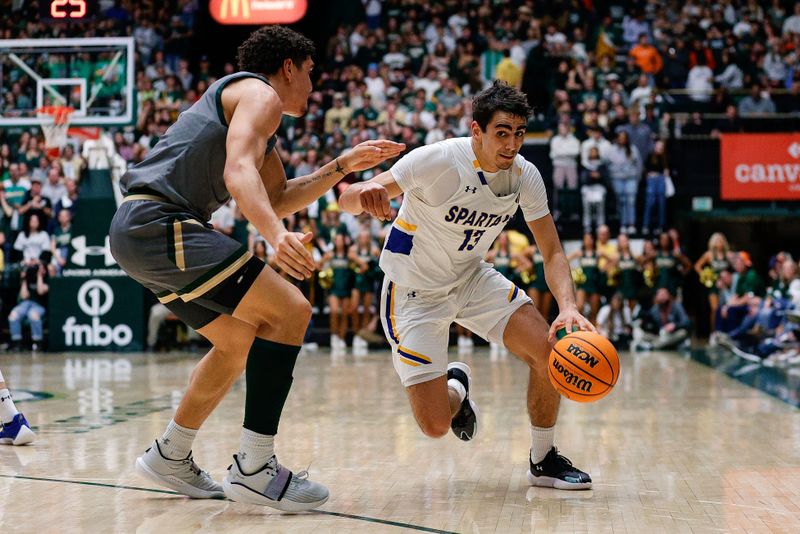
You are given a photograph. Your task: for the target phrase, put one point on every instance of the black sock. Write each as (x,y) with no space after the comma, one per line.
(269,378)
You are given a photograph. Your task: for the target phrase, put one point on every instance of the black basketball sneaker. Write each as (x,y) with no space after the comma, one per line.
(465,421)
(556,471)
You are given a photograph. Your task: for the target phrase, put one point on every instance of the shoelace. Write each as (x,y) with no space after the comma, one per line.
(562,459)
(275,467)
(303,475)
(194,467)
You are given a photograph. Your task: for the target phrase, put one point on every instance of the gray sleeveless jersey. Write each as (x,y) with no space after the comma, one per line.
(186,165)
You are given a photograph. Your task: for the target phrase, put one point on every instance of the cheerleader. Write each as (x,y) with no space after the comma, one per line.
(537,288)
(627,272)
(339,291)
(500,256)
(364,257)
(713,261)
(587,276)
(504,262)
(671,265)
(260,250)
(647,265)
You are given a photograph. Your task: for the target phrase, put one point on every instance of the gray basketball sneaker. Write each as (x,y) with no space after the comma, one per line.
(183,476)
(275,486)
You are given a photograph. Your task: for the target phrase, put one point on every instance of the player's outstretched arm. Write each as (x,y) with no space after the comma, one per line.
(302,191)
(256,115)
(372,196)
(558,275)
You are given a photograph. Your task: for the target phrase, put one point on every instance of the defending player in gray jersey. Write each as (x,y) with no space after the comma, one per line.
(222,147)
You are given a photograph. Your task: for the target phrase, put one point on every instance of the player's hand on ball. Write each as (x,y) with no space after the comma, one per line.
(292,256)
(375,200)
(370,153)
(569,318)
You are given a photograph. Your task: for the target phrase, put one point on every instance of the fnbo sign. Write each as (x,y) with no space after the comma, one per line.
(95,314)
(95,298)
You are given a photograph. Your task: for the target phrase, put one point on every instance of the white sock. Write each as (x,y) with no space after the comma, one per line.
(254,450)
(7,408)
(176,443)
(542,440)
(458,387)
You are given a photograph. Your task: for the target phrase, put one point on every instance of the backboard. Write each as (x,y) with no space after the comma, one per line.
(93,75)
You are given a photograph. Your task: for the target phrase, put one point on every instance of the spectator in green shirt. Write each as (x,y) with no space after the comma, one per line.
(749,282)
(11,200)
(748,291)
(369,112)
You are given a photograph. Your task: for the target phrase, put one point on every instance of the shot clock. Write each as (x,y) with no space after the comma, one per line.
(68,10)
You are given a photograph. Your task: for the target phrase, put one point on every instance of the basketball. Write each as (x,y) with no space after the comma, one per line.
(583,366)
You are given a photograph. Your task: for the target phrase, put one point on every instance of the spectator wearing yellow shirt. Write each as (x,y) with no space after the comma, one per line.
(508,71)
(339,115)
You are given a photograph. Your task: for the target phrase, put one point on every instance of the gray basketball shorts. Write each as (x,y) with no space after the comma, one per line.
(194,270)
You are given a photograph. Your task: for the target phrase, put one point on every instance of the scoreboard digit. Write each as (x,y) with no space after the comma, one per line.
(67,10)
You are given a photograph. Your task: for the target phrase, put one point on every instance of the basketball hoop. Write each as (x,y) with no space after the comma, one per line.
(54,121)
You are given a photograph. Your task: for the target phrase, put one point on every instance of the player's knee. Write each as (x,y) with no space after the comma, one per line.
(235,348)
(434,427)
(300,309)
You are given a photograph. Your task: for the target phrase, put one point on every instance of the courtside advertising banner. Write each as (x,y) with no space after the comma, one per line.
(760,166)
(95,314)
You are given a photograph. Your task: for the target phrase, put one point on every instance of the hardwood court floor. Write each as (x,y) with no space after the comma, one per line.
(677,447)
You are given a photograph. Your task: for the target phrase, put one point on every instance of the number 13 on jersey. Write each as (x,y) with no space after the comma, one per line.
(471,238)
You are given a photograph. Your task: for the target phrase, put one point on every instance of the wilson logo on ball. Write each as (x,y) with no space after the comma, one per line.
(583,355)
(572,379)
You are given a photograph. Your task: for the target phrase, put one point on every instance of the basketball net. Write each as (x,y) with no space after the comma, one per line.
(54,121)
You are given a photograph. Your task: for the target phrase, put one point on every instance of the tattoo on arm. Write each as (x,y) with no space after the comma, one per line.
(339,168)
(316,176)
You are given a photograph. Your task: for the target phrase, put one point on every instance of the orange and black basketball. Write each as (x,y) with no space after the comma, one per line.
(583,366)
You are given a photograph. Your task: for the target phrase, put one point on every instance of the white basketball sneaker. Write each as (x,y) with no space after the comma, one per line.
(183,476)
(275,486)
(16,432)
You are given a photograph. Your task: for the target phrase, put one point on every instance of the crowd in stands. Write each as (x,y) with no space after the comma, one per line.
(609,82)
(756,318)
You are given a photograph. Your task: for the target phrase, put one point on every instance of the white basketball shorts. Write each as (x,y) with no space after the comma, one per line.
(417,321)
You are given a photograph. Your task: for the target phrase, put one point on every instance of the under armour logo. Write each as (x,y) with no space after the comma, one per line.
(82,250)
(539,468)
(411,294)
(472,189)
(165,441)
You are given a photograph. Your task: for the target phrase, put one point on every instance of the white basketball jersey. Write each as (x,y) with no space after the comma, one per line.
(435,243)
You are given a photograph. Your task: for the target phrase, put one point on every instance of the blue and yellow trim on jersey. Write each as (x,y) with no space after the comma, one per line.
(401,237)
(512,293)
(407,226)
(478,170)
(412,358)
(390,313)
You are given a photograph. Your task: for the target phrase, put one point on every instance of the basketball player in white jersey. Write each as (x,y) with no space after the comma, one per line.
(458,196)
